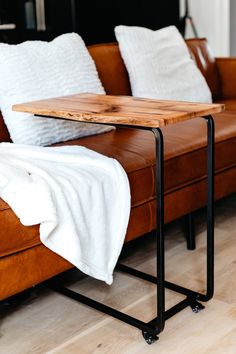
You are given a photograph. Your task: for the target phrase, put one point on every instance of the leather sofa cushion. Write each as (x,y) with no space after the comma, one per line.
(4,134)
(185,163)
(14,236)
(230,104)
(206,62)
(111,68)
(227,73)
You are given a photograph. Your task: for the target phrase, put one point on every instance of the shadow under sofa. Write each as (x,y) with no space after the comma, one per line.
(25,262)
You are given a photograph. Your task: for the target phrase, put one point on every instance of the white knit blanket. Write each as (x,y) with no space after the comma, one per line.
(80,198)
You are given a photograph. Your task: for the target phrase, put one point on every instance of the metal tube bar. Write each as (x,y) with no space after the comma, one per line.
(136,273)
(152,279)
(182,290)
(160,248)
(173,311)
(177,308)
(101,307)
(157,325)
(148,327)
(210,206)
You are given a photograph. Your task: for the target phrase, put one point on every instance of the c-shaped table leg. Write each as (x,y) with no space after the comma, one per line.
(160,252)
(151,329)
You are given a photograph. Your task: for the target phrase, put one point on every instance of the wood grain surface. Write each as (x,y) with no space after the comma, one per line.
(121,110)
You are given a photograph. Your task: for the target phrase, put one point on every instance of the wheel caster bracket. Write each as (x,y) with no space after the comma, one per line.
(196,306)
(149,338)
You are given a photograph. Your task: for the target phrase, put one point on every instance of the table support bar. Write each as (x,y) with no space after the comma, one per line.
(156,326)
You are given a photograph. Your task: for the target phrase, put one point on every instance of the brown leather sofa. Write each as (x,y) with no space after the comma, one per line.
(24,261)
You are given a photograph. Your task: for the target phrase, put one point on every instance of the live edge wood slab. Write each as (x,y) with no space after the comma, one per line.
(122,110)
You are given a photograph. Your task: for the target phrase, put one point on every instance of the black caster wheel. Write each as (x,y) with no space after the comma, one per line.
(197,307)
(149,338)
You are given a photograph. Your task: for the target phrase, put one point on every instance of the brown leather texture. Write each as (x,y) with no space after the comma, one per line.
(227,74)
(206,62)
(14,236)
(4,134)
(111,68)
(24,261)
(27,268)
(230,104)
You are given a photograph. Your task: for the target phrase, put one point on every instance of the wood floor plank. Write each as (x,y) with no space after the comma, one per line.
(185,330)
(225,343)
(50,323)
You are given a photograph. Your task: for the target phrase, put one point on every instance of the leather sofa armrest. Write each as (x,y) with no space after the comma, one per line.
(4,134)
(227,75)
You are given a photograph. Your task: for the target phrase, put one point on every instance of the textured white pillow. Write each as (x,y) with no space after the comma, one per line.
(37,70)
(160,66)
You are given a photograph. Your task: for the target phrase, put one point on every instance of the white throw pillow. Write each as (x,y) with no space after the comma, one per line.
(160,66)
(37,70)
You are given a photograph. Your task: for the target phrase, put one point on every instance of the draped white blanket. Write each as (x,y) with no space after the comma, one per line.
(80,198)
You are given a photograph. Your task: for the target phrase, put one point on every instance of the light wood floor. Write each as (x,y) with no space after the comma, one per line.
(50,323)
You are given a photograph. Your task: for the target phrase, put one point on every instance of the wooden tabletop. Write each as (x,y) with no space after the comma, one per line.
(122,110)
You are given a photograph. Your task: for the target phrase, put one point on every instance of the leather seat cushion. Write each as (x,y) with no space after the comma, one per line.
(230,104)
(185,163)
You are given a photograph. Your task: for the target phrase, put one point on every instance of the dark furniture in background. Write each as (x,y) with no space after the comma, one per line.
(95,21)
(97,24)
(58,19)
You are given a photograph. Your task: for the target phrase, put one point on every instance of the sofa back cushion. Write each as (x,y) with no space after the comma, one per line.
(206,62)
(111,68)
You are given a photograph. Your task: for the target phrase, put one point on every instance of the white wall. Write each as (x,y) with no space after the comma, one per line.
(233,27)
(212,20)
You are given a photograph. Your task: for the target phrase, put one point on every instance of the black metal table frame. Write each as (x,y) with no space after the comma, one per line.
(151,329)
